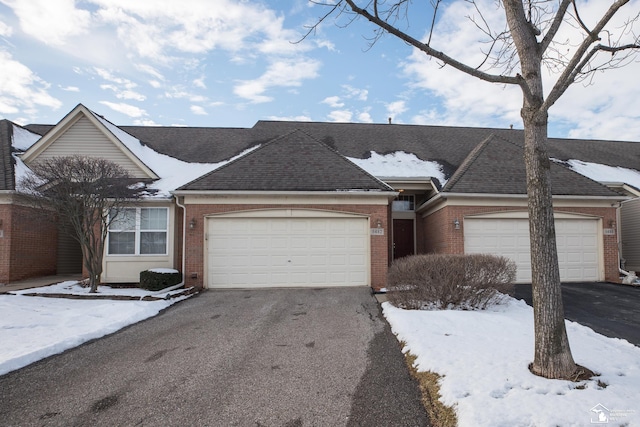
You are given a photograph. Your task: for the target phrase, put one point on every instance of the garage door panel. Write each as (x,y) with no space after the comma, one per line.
(577,243)
(248,252)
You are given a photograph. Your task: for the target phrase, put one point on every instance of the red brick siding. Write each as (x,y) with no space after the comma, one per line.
(29,244)
(440,236)
(195,243)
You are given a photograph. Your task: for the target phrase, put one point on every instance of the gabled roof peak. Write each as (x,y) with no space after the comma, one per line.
(294,161)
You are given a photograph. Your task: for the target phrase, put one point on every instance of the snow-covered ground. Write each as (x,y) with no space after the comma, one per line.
(483,357)
(32,328)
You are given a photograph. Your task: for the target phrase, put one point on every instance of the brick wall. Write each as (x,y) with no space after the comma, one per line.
(195,237)
(29,244)
(440,235)
(5,246)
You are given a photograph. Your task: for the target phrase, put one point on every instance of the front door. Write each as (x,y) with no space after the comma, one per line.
(403,242)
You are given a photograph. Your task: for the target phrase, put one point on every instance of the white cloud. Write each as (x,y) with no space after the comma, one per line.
(51,22)
(282,73)
(359,94)
(600,110)
(126,109)
(123,88)
(333,102)
(199,82)
(5,30)
(198,110)
(290,118)
(21,90)
(340,116)
(70,88)
(179,93)
(396,108)
(365,117)
(148,69)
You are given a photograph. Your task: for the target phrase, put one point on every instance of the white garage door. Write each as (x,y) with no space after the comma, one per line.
(577,241)
(287,252)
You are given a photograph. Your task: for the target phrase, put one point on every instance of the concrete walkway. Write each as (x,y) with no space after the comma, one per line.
(37,282)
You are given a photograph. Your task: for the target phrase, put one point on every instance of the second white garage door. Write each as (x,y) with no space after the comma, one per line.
(577,242)
(287,252)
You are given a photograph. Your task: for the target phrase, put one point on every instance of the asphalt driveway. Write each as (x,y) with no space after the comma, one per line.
(321,357)
(610,309)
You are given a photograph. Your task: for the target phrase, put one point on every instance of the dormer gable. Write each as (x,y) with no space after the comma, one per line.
(85,133)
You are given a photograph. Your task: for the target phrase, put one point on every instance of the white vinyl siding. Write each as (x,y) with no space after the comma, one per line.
(86,139)
(287,252)
(630,234)
(577,242)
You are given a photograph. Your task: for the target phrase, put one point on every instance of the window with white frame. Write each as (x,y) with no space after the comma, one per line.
(139,231)
(404,202)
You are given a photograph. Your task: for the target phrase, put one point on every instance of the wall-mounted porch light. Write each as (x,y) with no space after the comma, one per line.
(192,224)
(379,224)
(456,224)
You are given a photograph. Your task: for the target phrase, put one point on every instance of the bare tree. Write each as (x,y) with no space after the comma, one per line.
(88,193)
(518,51)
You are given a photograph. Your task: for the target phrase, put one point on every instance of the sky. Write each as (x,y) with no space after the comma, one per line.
(230,63)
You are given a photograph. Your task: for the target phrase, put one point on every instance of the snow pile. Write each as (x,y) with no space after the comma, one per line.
(32,328)
(173,172)
(604,173)
(402,165)
(483,357)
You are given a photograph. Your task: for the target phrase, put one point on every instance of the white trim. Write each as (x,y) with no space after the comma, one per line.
(67,122)
(525,215)
(137,234)
(287,198)
(287,213)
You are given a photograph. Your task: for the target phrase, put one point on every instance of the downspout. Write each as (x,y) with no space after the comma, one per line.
(184,239)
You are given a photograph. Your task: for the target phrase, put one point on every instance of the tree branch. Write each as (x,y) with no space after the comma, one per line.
(578,61)
(492,78)
(555,26)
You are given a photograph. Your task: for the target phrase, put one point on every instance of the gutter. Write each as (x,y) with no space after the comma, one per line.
(362,193)
(445,196)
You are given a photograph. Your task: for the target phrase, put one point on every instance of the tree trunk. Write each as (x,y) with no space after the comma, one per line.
(552,355)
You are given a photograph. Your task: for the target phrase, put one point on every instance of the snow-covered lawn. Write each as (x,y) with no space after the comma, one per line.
(483,357)
(32,328)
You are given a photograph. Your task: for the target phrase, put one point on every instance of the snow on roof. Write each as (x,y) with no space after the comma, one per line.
(604,173)
(173,172)
(21,140)
(400,164)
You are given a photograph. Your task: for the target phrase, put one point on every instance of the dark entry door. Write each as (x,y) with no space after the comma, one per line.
(403,242)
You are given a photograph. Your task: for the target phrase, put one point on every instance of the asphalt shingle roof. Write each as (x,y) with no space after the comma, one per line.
(496,166)
(449,146)
(293,162)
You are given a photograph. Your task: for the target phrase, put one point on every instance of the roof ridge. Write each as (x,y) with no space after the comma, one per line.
(467,162)
(344,158)
(227,165)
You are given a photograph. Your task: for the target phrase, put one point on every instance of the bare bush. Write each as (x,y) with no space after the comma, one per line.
(438,281)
